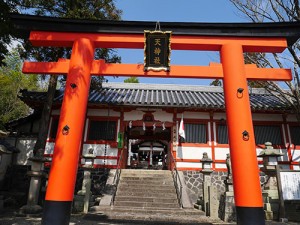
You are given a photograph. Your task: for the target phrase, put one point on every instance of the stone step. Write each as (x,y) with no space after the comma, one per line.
(171,211)
(151,189)
(147,182)
(145,171)
(144,174)
(146,204)
(161,216)
(146,199)
(154,178)
(128,177)
(145,186)
(157,194)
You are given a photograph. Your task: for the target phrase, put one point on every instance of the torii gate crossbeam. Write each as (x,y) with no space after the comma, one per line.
(233,71)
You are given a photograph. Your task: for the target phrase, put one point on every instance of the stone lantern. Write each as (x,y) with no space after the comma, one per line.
(209,191)
(270,157)
(270,190)
(36,175)
(83,196)
(206,164)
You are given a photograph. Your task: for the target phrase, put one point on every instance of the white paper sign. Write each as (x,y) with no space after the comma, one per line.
(290,182)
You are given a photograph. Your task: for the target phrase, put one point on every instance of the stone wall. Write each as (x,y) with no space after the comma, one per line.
(194,180)
(225,202)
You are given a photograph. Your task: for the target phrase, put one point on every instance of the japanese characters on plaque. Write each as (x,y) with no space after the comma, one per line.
(157,50)
(290,185)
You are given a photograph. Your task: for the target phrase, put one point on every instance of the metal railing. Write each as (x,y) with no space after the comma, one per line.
(177,181)
(117,178)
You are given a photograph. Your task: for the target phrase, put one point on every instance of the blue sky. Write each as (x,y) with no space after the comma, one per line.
(215,11)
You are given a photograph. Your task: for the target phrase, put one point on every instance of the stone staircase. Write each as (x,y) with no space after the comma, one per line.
(146,189)
(148,195)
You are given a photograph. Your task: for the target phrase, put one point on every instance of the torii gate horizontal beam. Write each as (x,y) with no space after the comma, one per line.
(213,71)
(24,24)
(178,42)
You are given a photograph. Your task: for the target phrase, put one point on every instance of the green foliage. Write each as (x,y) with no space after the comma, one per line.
(4,30)
(75,9)
(80,9)
(12,80)
(216,82)
(132,80)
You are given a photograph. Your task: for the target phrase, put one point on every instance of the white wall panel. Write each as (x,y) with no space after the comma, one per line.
(296,155)
(163,116)
(296,167)
(220,153)
(112,162)
(192,152)
(220,166)
(188,165)
(99,150)
(133,115)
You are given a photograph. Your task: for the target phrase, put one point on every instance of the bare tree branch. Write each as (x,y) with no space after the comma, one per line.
(276,11)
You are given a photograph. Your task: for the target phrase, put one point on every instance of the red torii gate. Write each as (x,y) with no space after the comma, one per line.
(233,71)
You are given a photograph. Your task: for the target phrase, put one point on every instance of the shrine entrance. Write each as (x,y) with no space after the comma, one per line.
(145,154)
(148,146)
(230,40)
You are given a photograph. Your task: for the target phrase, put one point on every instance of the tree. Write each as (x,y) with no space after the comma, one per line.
(132,80)
(12,80)
(276,11)
(4,31)
(84,9)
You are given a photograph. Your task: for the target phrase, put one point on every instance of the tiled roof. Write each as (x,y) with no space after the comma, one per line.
(157,95)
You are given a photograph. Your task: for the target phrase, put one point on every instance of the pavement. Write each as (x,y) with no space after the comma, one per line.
(10,218)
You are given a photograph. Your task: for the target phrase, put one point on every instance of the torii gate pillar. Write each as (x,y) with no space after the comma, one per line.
(245,172)
(62,179)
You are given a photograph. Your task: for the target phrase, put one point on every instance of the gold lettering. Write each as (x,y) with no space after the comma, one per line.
(157,51)
(157,42)
(156,60)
